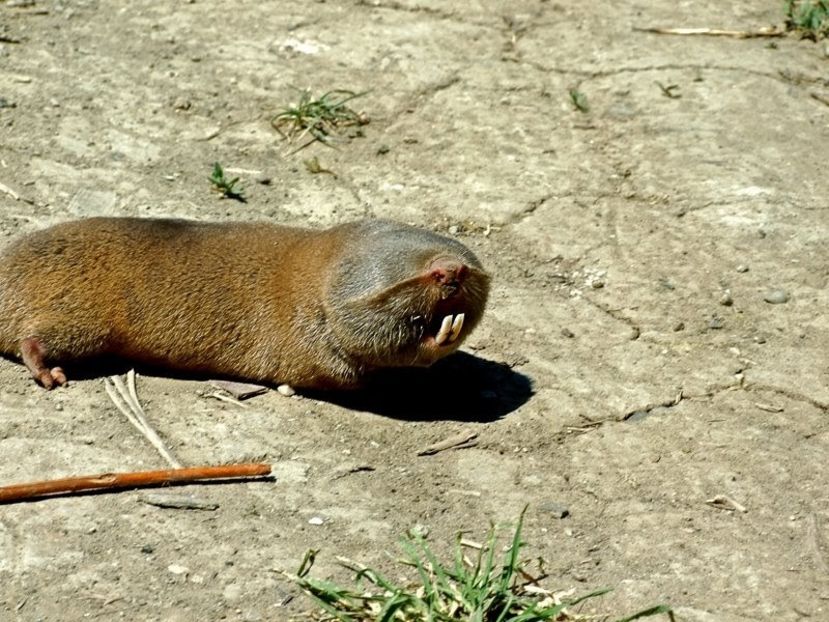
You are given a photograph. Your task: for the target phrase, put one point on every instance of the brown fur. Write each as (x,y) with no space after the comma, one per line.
(316,309)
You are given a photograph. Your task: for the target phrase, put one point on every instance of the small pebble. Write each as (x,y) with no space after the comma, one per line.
(383,149)
(638,415)
(263,178)
(286,390)
(559,510)
(453,230)
(147,549)
(776,296)
(597,284)
(178,569)
(239,390)
(679,326)
(316,520)
(419,530)
(726,300)
(567,333)
(716,322)
(742,268)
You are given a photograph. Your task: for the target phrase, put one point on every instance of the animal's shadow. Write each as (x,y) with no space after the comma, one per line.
(461,387)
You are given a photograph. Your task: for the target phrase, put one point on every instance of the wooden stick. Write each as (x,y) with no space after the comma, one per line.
(115,481)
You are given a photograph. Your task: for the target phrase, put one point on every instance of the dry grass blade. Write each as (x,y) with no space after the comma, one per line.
(456,441)
(714,32)
(126,400)
(4,188)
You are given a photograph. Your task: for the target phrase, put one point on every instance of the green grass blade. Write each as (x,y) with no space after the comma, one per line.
(415,560)
(505,610)
(508,571)
(593,594)
(652,611)
(395,603)
(307,562)
(461,592)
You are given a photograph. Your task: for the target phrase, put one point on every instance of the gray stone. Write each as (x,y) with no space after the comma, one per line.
(776,296)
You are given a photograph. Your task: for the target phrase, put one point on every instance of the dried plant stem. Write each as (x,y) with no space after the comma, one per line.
(714,32)
(126,399)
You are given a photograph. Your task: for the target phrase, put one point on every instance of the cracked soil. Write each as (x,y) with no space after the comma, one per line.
(628,367)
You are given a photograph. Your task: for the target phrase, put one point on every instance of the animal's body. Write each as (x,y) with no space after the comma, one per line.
(317,309)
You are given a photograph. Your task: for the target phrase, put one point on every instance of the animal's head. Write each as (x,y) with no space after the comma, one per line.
(405,297)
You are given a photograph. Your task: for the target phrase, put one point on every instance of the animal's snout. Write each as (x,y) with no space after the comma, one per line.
(449,273)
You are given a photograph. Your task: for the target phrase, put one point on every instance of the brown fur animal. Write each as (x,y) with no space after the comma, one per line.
(256,301)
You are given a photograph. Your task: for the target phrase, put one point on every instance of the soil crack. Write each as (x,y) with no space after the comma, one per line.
(642,412)
(788,393)
(427,91)
(614,313)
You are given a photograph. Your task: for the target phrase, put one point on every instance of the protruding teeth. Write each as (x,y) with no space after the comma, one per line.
(457,325)
(445,330)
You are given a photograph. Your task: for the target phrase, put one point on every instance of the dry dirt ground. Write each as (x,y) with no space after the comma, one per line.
(629,367)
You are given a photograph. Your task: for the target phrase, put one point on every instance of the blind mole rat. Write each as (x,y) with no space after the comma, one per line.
(317,309)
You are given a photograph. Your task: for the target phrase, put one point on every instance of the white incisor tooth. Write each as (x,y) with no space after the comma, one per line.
(445,329)
(457,325)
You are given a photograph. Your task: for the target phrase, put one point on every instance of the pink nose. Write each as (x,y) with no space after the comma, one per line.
(448,271)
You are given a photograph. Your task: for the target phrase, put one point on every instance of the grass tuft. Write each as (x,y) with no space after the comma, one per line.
(227,187)
(579,100)
(809,17)
(475,587)
(321,118)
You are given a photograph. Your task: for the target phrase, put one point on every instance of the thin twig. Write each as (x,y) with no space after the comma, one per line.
(9,191)
(724,502)
(823,99)
(217,395)
(458,441)
(715,32)
(115,481)
(126,399)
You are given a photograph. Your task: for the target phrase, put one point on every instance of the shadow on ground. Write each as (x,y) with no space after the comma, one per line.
(462,387)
